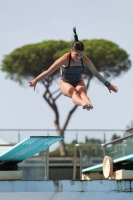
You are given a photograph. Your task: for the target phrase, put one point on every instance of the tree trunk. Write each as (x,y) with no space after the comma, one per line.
(63,151)
(62,147)
(60,132)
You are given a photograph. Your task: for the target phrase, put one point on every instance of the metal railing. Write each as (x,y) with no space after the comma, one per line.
(128,140)
(79,135)
(80,148)
(16,135)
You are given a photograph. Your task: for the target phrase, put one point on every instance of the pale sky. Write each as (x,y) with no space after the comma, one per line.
(25,22)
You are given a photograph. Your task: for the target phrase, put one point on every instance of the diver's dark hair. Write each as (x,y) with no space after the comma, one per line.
(77,45)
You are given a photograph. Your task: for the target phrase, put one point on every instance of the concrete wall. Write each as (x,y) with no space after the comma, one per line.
(33,173)
(63,173)
(58,190)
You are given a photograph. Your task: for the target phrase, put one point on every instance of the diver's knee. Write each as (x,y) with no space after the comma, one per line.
(82,92)
(73,91)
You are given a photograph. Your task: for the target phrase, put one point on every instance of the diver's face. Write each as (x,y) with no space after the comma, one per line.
(76,55)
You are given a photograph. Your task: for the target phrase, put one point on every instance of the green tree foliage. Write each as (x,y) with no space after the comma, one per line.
(108,57)
(115,136)
(30,60)
(91,150)
(92,141)
(27,62)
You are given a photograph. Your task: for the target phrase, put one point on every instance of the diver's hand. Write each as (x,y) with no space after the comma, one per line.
(33,83)
(113,88)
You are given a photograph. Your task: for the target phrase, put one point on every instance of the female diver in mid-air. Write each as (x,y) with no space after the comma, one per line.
(71,67)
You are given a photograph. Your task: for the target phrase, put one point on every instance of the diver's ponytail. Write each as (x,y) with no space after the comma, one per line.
(77,45)
(75,34)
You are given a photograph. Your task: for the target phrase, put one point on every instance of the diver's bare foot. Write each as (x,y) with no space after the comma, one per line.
(84,105)
(87,106)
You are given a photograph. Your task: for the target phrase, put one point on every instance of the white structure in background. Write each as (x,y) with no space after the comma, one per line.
(4,145)
(3,141)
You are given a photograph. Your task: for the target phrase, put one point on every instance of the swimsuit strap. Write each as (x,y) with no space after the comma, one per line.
(69,60)
(82,62)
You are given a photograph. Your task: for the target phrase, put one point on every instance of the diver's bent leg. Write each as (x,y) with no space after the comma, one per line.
(68,90)
(76,98)
(82,92)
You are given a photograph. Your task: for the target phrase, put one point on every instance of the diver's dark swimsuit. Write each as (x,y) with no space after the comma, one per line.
(72,74)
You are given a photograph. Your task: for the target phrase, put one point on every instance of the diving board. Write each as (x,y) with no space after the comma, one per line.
(96,168)
(119,163)
(21,151)
(27,148)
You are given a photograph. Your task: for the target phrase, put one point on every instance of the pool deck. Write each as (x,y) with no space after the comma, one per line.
(66,189)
